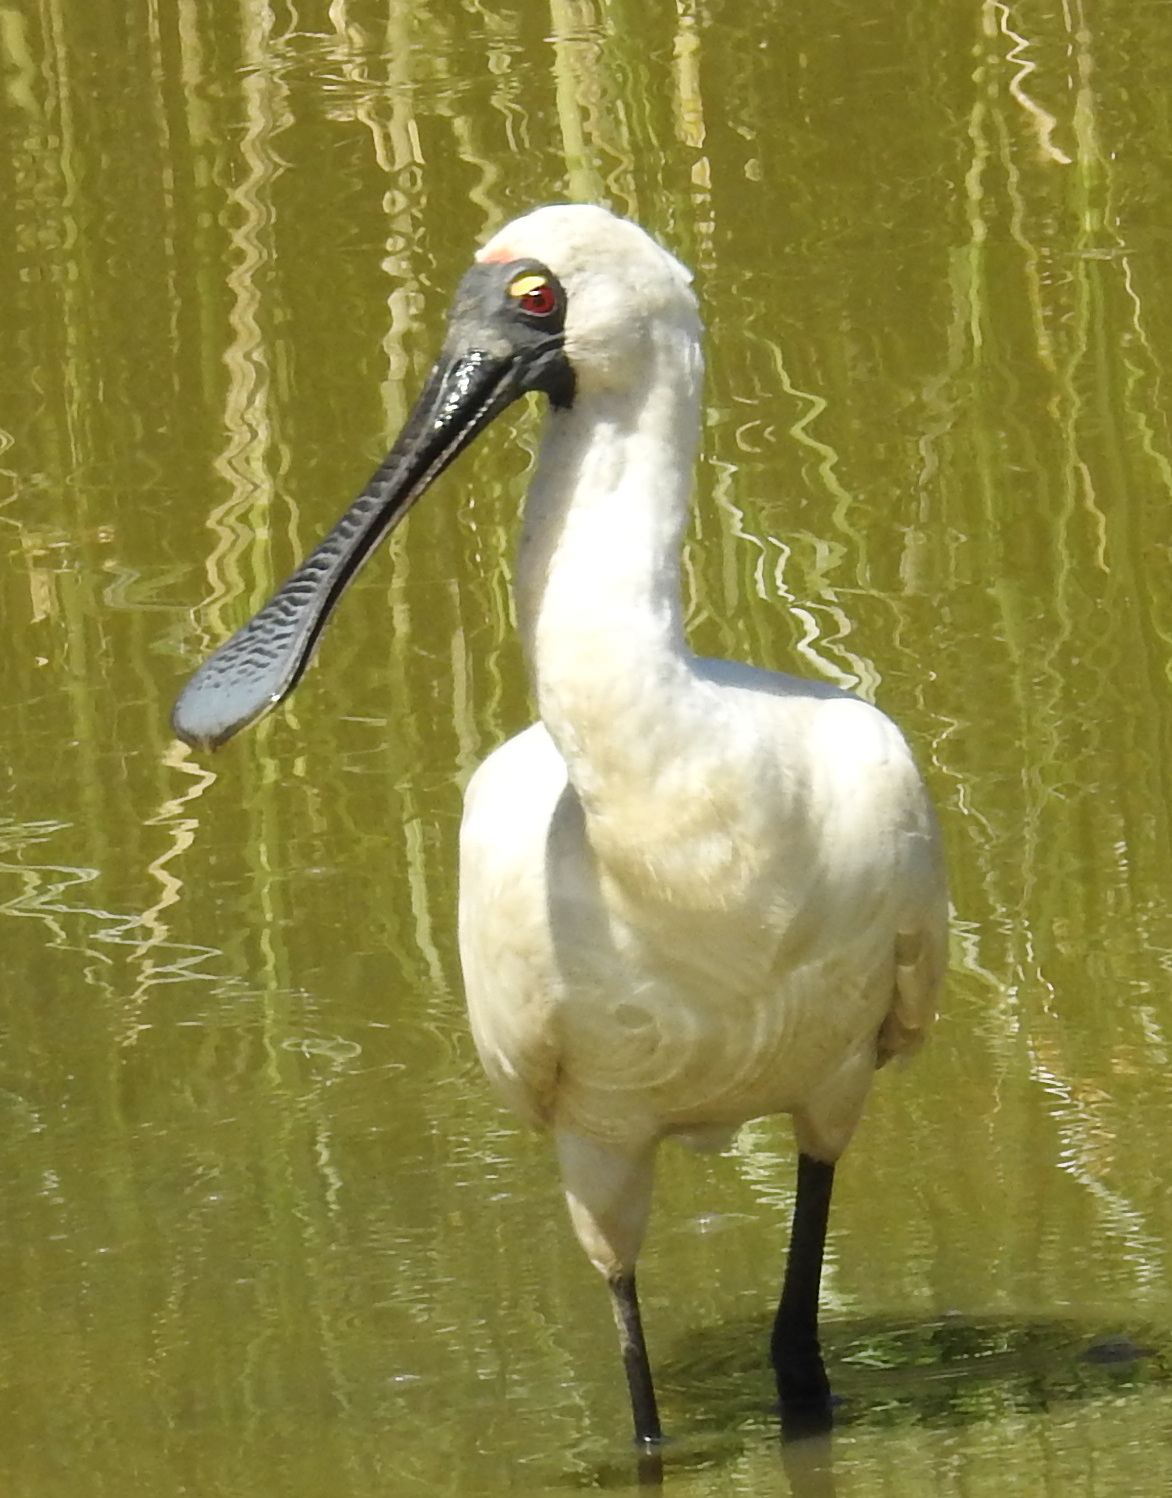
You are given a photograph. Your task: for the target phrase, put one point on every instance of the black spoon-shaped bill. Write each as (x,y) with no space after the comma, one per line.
(263,661)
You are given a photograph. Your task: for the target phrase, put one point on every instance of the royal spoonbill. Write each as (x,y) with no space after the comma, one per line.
(695,892)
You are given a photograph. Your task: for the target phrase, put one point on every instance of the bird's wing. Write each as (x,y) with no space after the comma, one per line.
(921,955)
(869,753)
(505,952)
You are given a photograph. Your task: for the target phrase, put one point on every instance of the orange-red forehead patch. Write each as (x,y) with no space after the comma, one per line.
(496,254)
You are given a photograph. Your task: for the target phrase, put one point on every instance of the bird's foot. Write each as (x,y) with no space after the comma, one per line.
(803,1392)
(649,1461)
(802,1418)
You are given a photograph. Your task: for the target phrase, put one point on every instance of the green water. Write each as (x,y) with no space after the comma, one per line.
(263,1229)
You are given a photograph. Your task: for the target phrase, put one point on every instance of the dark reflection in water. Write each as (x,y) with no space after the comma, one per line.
(951,1370)
(954,1371)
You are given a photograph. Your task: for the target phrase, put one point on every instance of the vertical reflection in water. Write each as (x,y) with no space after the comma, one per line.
(386,109)
(56,164)
(997,18)
(156,941)
(850,669)
(1065,626)
(576,53)
(240,563)
(474,144)
(34,166)
(688,99)
(1100,477)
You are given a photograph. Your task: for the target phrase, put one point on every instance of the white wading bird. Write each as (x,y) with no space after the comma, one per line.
(695,892)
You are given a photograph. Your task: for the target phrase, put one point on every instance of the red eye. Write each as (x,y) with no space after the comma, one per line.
(538,301)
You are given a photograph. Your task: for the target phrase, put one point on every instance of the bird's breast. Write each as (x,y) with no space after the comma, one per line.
(689,980)
(684,1019)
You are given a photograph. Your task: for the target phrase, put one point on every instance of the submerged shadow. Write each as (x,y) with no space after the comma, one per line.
(717,1391)
(953,1369)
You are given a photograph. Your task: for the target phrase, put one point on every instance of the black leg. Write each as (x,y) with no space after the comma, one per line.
(635,1364)
(802,1385)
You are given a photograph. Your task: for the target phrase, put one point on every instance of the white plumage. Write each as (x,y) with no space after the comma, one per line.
(695,893)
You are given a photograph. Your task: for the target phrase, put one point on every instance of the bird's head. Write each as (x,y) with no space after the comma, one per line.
(567,300)
(614,288)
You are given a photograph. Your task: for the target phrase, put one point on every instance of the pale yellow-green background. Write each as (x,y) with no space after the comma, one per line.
(263,1230)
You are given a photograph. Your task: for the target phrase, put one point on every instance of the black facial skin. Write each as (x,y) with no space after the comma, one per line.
(486,317)
(495,351)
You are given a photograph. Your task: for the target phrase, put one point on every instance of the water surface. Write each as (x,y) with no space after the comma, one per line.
(264,1228)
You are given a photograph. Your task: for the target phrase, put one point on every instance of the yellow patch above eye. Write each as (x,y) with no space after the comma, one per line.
(523,285)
